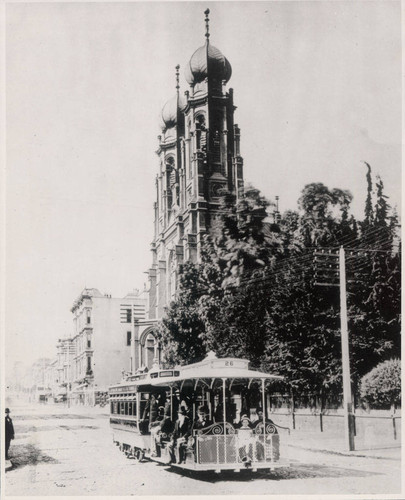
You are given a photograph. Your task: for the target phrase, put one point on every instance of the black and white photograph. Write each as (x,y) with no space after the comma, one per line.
(201,249)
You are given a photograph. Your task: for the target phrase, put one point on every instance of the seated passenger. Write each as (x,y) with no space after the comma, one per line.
(245,439)
(202,421)
(219,413)
(164,433)
(260,419)
(155,428)
(275,439)
(181,433)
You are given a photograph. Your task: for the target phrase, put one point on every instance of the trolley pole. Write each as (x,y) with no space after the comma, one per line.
(347,390)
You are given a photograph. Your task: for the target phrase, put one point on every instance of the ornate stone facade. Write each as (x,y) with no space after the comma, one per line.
(198,157)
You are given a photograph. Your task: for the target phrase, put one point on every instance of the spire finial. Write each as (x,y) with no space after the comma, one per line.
(177,77)
(207,24)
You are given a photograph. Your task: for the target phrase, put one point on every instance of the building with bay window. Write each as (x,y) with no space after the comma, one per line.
(103,328)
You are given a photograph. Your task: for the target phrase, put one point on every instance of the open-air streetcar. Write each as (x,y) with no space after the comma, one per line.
(211,415)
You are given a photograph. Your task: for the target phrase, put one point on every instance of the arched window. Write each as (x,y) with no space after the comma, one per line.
(170,180)
(171,274)
(201,136)
(150,350)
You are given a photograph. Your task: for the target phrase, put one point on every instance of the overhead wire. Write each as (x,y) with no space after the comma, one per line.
(299,263)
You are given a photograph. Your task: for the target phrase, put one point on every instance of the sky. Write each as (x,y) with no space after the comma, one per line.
(317,87)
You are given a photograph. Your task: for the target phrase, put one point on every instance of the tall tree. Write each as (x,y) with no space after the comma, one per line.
(253,293)
(368,209)
(319,225)
(180,332)
(239,249)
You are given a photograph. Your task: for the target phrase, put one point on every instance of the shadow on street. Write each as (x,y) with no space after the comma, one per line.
(28,454)
(304,471)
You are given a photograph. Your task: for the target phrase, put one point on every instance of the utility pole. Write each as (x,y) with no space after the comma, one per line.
(326,275)
(347,389)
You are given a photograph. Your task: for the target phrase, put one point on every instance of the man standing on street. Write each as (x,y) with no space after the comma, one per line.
(9,431)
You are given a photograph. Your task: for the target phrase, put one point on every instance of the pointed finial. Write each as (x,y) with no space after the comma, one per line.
(177,77)
(207,24)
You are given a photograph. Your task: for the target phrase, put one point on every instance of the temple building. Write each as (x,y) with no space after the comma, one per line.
(198,158)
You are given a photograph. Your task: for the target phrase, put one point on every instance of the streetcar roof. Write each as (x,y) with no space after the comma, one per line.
(227,373)
(210,368)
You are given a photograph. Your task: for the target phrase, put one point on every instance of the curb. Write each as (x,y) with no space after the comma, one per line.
(346,454)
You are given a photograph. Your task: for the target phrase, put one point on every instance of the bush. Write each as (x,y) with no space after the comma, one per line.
(381,387)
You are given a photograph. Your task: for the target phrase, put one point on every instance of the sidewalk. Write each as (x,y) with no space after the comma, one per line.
(324,443)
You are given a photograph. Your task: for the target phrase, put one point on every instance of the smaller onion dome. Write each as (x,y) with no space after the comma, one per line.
(171,109)
(208,60)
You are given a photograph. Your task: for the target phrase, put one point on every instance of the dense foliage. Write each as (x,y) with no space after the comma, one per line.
(265,291)
(381,387)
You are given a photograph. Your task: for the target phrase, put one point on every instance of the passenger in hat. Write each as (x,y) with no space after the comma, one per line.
(271,432)
(245,439)
(202,426)
(181,433)
(9,431)
(155,429)
(245,422)
(202,421)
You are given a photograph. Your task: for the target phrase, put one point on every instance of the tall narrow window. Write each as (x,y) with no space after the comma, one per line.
(129,315)
(129,336)
(88,316)
(201,137)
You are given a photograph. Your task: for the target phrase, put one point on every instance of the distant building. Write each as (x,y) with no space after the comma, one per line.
(103,327)
(40,380)
(66,351)
(51,379)
(198,159)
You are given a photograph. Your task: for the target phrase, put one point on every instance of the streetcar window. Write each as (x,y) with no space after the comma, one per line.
(126,409)
(144,405)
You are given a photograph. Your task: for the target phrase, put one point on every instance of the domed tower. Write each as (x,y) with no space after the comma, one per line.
(199,158)
(211,138)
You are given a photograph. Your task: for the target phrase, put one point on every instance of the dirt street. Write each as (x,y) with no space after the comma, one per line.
(69,451)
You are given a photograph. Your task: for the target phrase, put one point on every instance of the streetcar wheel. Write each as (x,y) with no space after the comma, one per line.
(138,454)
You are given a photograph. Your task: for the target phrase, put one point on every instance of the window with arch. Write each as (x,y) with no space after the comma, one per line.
(170,180)
(201,135)
(150,349)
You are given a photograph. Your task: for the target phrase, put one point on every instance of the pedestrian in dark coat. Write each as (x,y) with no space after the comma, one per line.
(9,431)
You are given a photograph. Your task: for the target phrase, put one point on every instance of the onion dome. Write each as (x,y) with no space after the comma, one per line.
(172,109)
(208,60)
